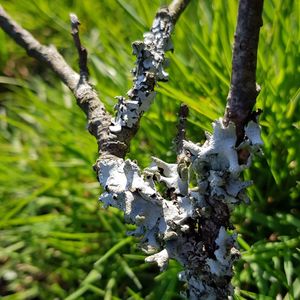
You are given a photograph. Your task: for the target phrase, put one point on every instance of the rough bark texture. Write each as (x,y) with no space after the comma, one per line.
(181,128)
(187,224)
(243,88)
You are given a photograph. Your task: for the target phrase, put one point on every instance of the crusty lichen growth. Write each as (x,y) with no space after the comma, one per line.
(149,69)
(187,224)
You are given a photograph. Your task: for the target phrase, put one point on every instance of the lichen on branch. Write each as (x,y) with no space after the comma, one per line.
(189,219)
(149,70)
(184,223)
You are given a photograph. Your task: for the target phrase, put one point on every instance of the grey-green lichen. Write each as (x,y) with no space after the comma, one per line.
(187,224)
(149,69)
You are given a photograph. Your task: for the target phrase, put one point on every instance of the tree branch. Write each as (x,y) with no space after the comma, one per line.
(176,8)
(82,52)
(149,70)
(243,89)
(86,96)
(115,139)
(181,128)
(188,224)
(44,54)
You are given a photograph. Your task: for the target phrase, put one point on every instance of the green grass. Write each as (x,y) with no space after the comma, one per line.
(55,239)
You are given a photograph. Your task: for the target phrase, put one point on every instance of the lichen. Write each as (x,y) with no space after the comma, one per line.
(149,69)
(184,223)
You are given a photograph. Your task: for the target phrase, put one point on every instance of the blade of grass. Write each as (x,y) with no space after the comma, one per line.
(114,250)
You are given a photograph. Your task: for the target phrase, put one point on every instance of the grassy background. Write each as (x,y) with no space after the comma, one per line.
(56,242)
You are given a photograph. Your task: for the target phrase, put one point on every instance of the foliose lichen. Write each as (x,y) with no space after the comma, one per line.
(187,223)
(149,69)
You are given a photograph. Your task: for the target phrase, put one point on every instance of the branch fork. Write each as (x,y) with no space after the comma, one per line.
(183,223)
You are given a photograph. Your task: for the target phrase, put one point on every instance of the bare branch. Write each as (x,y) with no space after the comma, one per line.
(176,8)
(86,96)
(243,89)
(44,54)
(82,52)
(183,114)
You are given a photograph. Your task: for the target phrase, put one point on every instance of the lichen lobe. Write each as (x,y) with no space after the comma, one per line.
(187,223)
(149,70)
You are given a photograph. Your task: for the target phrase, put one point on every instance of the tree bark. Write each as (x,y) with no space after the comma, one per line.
(243,88)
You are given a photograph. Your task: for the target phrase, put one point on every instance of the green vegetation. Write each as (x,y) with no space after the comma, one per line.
(56,242)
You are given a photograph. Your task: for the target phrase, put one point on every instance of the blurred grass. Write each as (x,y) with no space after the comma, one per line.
(53,231)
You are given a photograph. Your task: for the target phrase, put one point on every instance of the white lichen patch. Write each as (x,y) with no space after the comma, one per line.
(149,69)
(157,219)
(161,258)
(225,247)
(183,223)
(168,174)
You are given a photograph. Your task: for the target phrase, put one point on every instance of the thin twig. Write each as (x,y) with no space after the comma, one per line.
(180,137)
(86,96)
(176,8)
(82,52)
(45,54)
(243,89)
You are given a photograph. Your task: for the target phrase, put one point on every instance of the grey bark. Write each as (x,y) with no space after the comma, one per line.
(243,88)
